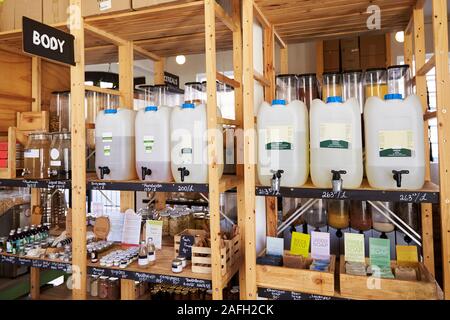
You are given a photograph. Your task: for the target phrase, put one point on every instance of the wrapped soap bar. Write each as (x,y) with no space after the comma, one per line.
(406,273)
(294,261)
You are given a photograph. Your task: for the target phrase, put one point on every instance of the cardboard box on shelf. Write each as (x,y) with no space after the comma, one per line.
(97,7)
(373,45)
(351,63)
(331,45)
(141,4)
(55,11)
(331,61)
(7,15)
(28,8)
(373,61)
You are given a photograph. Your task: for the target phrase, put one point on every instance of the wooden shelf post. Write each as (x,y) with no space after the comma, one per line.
(421,90)
(440,35)
(78,129)
(249,150)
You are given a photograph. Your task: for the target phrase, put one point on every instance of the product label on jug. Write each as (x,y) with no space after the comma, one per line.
(279,138)
(54,154)
(396,143)
(335,135)
(107,150)
(186,149)
(31,153)
(149,141)
(107,137)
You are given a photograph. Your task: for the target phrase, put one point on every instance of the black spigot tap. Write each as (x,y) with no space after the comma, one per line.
(276,179)
(104,171)
(336,181)
(184,173)
(146,172)
(397,175)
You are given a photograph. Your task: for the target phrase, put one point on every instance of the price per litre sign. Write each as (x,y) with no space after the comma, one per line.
(47,42)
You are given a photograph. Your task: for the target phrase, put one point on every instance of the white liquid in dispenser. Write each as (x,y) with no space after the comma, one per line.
(336,142)
(153,144)
(114,144)
(395,147)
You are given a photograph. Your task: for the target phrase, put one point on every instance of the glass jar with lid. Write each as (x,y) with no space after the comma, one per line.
(36,156)
(338,215)
(198,219)
(103,287)
(164,216)
(113,289)
(174,223)
(60,162)
(360,216)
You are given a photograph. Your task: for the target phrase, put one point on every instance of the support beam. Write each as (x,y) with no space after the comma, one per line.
(213,170)
(237,67)
(159,71)
(426,67)
(224,17)
(105,35)
(35,283)
(224,79)
(421,91)
(269,64)
(249,151)
(36,77)
(78,146)
(259,16)
(263,80)
(320,65)
(279,40)
(284,66)
(127,290)
(147,53)
(408,49)
(388,50)
(440,35)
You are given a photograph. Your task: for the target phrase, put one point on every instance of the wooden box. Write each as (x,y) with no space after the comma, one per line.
(367,288)
(229,255)
(190,232)
(298,280)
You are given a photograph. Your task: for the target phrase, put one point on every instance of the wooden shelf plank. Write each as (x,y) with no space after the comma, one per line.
(224,79)
(102,90)
(427,67)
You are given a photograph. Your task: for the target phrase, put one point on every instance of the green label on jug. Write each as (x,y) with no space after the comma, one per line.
(149,141)
(334,144)
(107,150)
(279,146)
(395,153)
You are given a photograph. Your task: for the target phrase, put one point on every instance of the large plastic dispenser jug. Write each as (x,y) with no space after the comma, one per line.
(336,143)
(394,137)
(283,148)
(114,144)
(353,87)
(153,136)
(189,141)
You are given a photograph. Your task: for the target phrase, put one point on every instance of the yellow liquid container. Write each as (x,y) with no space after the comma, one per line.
(375,83)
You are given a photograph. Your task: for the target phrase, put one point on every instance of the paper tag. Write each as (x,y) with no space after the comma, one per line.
(104,5)
(31,153)
(396,143)
(407,255)
(149,141)
(107,150)
(279,138)
(131,228)
(55,163)
(320,245)
(154,230)
(335,135)
(186,155)
(300,244)
(380,252)
(275,246)
(354,247)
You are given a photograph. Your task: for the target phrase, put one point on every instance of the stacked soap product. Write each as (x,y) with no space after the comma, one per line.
(320,265)
(406,273)
(355,268)
(380,272)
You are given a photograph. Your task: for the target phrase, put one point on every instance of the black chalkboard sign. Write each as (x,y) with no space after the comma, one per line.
(44,41)
(186,243)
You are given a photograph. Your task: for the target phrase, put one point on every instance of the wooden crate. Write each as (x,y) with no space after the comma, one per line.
(298,280)
(190,232)
(229,255)
(359,287)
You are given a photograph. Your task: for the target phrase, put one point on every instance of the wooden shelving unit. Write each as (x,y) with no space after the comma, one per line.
(281,24)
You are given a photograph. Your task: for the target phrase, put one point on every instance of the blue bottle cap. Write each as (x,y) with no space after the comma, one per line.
(188,106)
(279,102)
(393,96)
(110,111)
(336,99)
(151,108)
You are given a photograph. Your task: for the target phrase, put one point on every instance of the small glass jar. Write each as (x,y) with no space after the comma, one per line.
(165,217)
(174,224)
(94,286)
(113,289)
(338,214)
(183,261)
(103,287)
(36,156)
(360,217)
(316,216)
(198,218)
(208,295)
(177,266)
(380,222)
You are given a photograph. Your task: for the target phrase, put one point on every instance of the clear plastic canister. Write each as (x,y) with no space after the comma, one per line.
(194,93)
(338,214)
(409,213)
(380,222)
(60,162)
(332,85)
(375,83)
(225,100)
(308,88)
(316,216)
(160,95)
(360,217)
(36,156)
(60,111)
(353,87)
(399,81)
(287,87)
